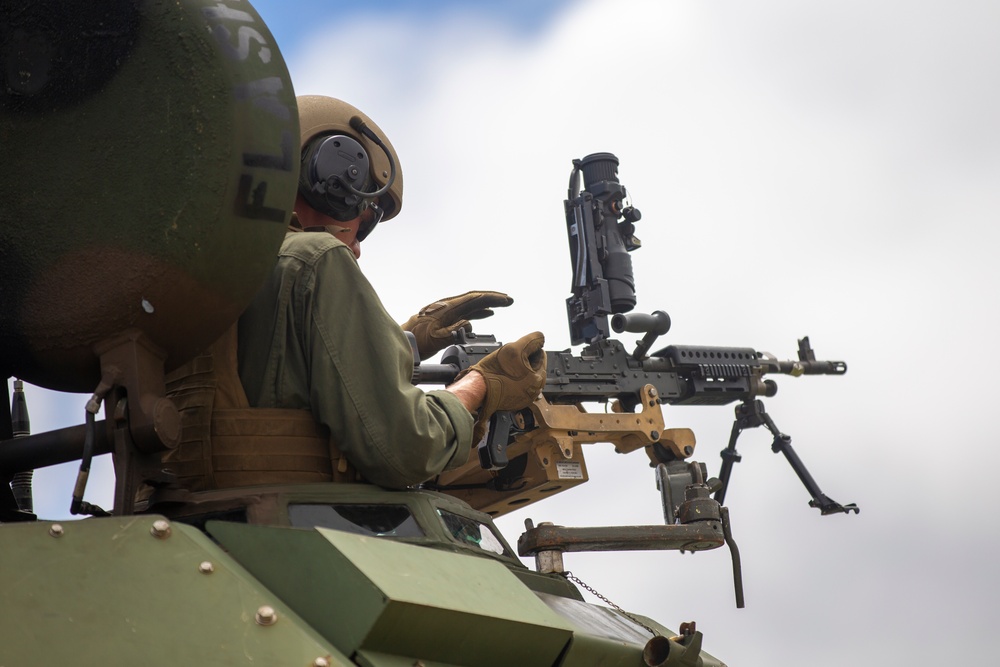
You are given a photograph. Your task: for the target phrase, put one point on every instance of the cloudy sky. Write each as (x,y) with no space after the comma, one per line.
(822,168)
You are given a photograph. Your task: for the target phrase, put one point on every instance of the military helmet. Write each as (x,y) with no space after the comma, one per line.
(321,116)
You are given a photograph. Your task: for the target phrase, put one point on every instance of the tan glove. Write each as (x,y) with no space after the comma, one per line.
(433,325)
(515,376)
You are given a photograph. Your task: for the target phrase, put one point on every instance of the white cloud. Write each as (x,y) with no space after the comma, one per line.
(823,169)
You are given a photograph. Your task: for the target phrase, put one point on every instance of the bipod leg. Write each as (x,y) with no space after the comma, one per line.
(747,416)
(783,443)
(729,457)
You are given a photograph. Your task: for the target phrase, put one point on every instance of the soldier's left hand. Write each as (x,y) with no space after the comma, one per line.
(434,324)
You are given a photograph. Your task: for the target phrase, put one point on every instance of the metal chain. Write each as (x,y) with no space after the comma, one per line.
(579,582)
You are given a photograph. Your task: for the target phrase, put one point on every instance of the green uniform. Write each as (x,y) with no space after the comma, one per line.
(318,337)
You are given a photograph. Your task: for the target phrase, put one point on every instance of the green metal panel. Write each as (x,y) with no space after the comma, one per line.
(607,638)
(602,636)
(376,595)
(375,659)
(109,592)
(149,150)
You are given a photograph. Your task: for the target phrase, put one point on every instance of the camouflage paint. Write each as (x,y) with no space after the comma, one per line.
(154,144)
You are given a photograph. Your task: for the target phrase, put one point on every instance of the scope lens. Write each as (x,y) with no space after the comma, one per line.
(598,167)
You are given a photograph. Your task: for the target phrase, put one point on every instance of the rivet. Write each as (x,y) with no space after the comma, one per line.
(160,529)
(266,616)
(321,662)
(56,530)
(206,567)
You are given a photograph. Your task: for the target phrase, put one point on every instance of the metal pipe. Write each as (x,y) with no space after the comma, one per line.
(51,448)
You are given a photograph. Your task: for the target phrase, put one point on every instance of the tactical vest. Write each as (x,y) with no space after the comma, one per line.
(226,443)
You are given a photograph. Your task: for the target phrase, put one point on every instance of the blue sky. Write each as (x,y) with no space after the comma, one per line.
(288,21)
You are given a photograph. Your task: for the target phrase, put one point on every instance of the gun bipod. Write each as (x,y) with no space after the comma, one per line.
(751,414)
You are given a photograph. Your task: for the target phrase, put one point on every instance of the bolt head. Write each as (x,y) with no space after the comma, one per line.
(56,530)
(266,615)
(160,529)
(206,567)
(322,661)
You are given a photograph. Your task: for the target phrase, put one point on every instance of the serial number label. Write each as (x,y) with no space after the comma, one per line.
(569,470)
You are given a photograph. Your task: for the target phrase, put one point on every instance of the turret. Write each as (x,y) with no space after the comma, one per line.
(150,155)
(150,171)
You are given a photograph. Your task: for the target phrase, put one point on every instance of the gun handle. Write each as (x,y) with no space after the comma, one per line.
(493,448)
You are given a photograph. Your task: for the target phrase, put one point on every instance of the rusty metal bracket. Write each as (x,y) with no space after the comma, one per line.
(699,536)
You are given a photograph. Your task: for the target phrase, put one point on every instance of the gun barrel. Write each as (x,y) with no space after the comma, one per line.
(812,367)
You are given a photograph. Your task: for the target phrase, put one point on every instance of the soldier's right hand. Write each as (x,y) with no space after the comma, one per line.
(514,375)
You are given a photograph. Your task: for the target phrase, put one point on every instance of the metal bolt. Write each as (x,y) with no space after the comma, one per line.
(56,530)
(160,529)
(206,567)
(266,616)
(549,561)
(321,662)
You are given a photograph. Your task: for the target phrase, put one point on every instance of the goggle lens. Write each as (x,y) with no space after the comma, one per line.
(368,222)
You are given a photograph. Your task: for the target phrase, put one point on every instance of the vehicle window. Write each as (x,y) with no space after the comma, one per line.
(372,520)
(471,532)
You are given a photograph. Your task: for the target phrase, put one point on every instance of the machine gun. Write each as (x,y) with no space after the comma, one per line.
(601,232)
(534,453)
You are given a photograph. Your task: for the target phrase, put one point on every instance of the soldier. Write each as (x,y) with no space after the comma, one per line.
(317,336)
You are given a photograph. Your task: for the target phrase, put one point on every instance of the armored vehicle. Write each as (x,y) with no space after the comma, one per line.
(150,172)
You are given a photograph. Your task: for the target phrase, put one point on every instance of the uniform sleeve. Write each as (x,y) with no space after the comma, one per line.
(360,367)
